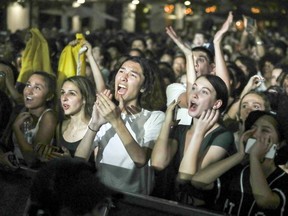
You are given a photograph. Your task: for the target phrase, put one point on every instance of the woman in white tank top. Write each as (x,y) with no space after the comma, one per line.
(36,125)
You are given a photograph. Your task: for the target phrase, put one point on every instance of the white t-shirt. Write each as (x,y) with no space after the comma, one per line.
(115,167)
(173,91)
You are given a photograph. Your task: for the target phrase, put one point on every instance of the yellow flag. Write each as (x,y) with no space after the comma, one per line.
(70,60)
(35,57)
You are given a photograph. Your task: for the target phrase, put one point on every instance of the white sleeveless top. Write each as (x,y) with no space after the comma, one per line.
(31,135)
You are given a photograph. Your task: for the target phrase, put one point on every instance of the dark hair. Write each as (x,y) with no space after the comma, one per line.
(166,71)
(283,73)
(205,50)
(68,183)
(220,88)
(141,54)
(256,114)
(237,77)
(250,65)
(50,80)
(140,39)
(179,55)
(282,45)
(87,91)
(274,59)
(145,64)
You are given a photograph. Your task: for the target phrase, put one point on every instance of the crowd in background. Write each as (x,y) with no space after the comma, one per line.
(102,97)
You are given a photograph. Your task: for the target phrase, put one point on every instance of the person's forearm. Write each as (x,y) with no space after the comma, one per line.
(209,174)
(260,48)
(233,110)
(98,77)
(262,193)
(221,68)
(190,70)
(161,154)
(135,151)
(25,148)
(243,40)
(189,164)
(84,149)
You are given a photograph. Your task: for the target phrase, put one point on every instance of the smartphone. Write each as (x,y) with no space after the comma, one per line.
(270,154)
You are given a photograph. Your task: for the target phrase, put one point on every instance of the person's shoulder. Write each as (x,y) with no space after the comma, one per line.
(48,114)
(224,130)
(155,115)
(153,112)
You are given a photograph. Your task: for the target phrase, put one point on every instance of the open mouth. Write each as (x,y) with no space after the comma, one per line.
(65,106)
(193,106)
(28,98)
(122,89)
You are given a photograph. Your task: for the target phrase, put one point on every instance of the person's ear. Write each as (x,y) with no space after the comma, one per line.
(217,104)
(213,69)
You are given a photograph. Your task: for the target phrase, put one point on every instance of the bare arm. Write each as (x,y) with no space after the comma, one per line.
(85,147)
(98,77)
(264,196)
(9,82)
(221,68)
(191,162)
(44,135)
(164,148)
(190,68)
(253,83)
(112,113)
(204,178)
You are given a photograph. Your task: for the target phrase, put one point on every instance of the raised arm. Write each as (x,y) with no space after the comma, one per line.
(191,73)
(251,29)
(253,83)
(221,68)
(190,69)
(165,148)
(97,75)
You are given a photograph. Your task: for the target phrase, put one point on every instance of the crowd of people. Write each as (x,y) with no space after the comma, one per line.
(168,115)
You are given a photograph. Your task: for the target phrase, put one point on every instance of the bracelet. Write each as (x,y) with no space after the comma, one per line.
(91,129)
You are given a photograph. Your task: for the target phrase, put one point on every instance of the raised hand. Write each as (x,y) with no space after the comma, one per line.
(261,147)
(177,40)
(254,82)
(106,108)
(207,119)
(171,112)
(24,116)
(243,140)
(225,27)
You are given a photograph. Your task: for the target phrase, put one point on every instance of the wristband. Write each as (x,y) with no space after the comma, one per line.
(91,129)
